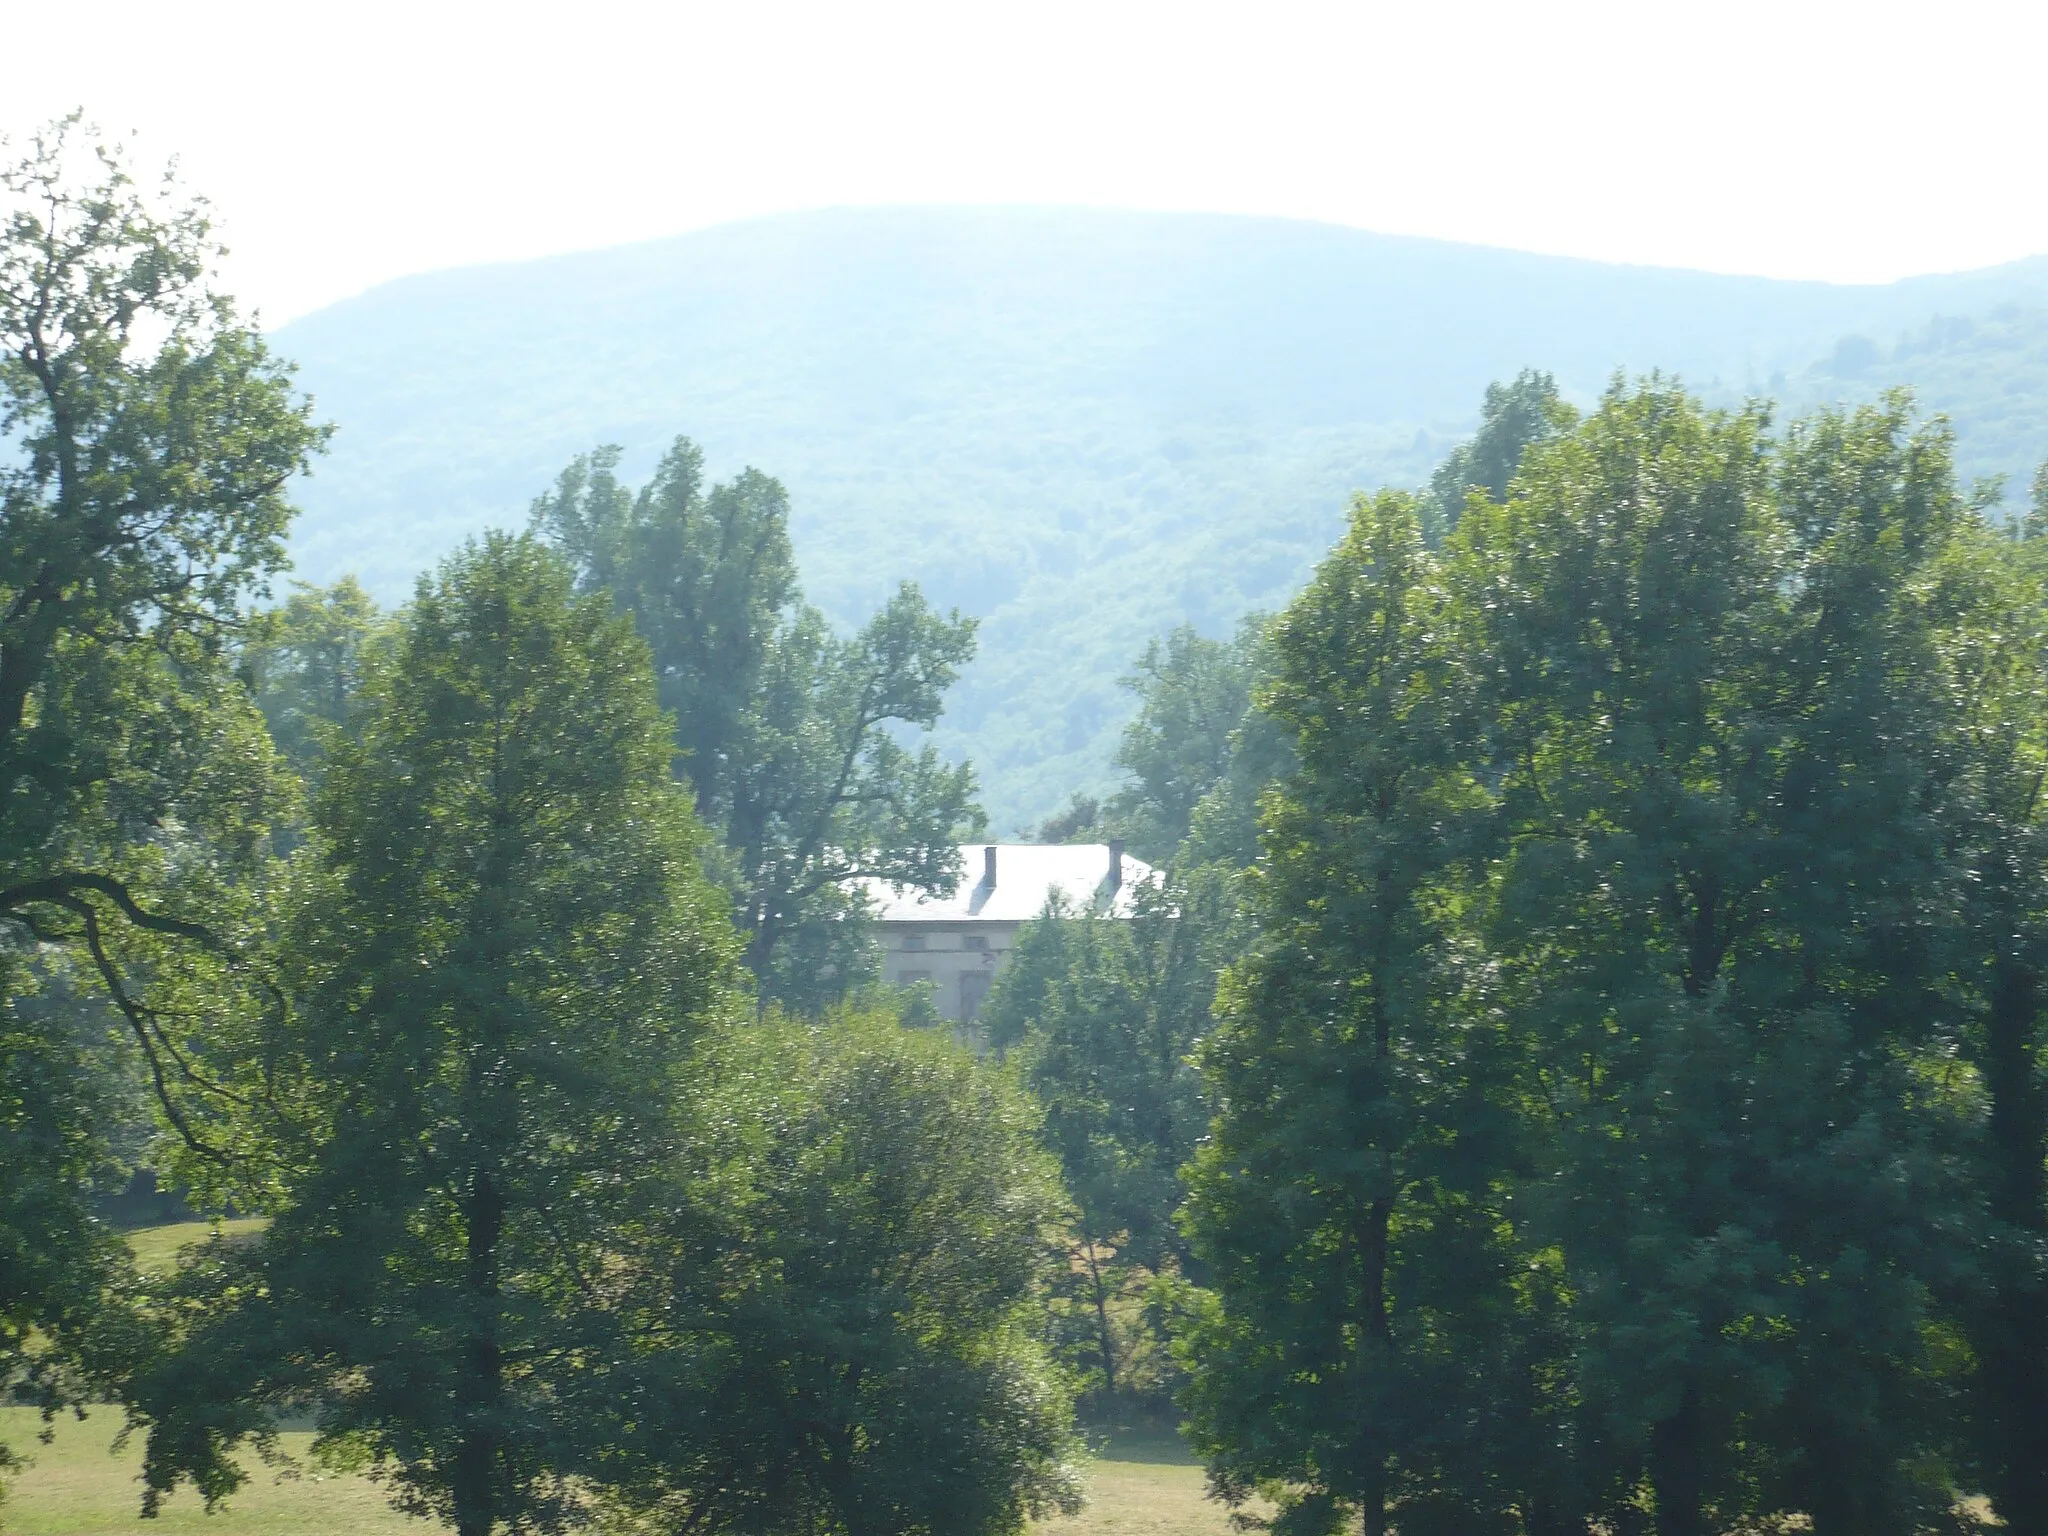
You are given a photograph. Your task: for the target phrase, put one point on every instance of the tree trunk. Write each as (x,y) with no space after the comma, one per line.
(1103,1335)
(1677,1471)
(1379,1216)
(2014,1346)
(1375,1521)
(480,1378)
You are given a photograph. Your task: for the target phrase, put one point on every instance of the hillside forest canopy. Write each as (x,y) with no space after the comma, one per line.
(1577,1069)
(1083,426)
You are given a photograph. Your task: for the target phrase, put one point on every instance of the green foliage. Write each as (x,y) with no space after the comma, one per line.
(149,436)
(1346,1201)
(849,1318)
(1078,822)
(1017,998)
(1980,360)
(1994,819)
(1584,1146)
(501,953)
(1193,696)
(303,663)
(1082,426)
(789,734)
(1513,418)
(2035,521)
(1724,708)
(1110,1054)
(1102,1015)
(57,1264)
(707,577)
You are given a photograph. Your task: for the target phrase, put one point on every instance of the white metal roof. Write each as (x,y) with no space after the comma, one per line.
(1025,872)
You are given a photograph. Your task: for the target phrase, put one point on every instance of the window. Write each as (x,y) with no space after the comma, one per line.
(913,942)
(975,941)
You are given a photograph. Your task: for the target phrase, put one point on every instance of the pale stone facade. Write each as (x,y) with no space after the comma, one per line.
(958,943)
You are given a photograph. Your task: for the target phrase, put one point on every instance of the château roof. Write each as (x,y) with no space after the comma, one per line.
(1024,874)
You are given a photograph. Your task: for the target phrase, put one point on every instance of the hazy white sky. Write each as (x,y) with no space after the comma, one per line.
(345,144)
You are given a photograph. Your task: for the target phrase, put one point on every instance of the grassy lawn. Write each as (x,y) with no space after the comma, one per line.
(1143,1485)
(80,1486)
(156,1248)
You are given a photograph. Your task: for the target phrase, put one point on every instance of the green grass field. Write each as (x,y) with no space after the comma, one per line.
(79,1485)
(82,1484)
(156,1248)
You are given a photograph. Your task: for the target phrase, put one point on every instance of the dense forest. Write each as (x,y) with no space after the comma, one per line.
(1578,1069)
(1082,426)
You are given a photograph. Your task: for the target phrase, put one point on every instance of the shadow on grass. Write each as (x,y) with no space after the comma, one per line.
(1158,1445)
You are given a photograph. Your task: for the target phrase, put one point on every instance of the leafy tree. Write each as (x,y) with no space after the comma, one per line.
(1018,997)
(304,664)
(1348,1357)
(1108,1050)
(790,734)
(149,439)
(707,576)
(1712,676)
(502,952)
(848,1337)
(1079,820)
(1193,695)
(57,1264)
(1995,815)
(1513,417)
(1588,1148)
(2034,521)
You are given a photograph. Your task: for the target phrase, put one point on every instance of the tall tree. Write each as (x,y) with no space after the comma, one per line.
(503,950)
(142,499)
(844,1338)
(707,576)
(1713,712)
(1997,669)
(1108,1012)
(1513,416)
(790,734)
(1345,1202)
(1193,694)
(1588,1146)
(304,664)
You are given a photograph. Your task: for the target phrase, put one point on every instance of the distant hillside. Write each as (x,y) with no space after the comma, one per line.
(1082,426)
(1988,372)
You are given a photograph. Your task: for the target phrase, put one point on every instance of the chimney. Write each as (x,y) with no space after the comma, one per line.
(988,866)
(1116,866)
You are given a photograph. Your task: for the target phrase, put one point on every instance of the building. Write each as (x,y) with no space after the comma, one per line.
(959,942)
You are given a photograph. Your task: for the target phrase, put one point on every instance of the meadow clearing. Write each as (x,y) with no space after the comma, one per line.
(81,1484)
(84,1483)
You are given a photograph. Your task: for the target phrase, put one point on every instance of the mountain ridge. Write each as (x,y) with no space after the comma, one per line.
(1082,425)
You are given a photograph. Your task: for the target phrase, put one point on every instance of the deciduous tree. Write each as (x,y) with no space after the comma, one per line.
(502,953)
(150,437)
(791,735)
(847,1340)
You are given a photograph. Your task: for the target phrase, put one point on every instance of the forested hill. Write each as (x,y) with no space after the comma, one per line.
(1082,426)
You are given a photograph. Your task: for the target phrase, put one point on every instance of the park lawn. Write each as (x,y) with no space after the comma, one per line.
(1139,1484)
(79,1486)
(1143,1484)
(156,1248)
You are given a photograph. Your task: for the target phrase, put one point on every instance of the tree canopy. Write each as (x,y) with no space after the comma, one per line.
(791,736)
(504,948)
(1587,1145)
(150,436)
